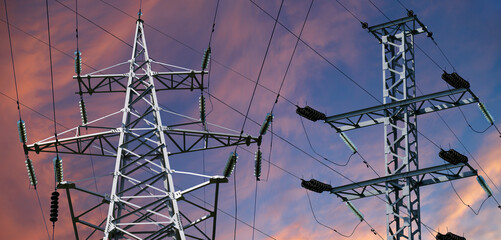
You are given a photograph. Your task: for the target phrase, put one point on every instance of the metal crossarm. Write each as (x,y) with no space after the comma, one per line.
(180,141)
(423,104)
(97,144)
(424,176)
(210,140)
(391,28)
(108,83)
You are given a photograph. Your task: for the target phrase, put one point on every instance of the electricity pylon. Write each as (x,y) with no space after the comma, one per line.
(143,201)
(398,113)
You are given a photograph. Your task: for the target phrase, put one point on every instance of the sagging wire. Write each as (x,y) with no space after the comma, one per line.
(249,107)
(55,194)
(468,122)
(313,149)
(21,124)
(324,225)
(208,52)
(283,81)
(206,61)
(428,228)
(288,142)
(468,205)
(337,164)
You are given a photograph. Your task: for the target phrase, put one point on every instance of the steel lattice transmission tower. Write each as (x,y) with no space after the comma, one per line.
(143,202)
(398,114)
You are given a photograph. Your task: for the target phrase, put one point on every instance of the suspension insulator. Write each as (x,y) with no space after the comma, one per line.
(83,111)
(58,169)
(54,205)
(257,166)
(315,185)
(310,113)
(230,165)
(455,80)
(266,124)
(206,59)
(348,142)
(486,113)
(452,156)
(21,128)
(484,185)
(78,62)
(202,108)
(355,210)
(448,236)
(31,172)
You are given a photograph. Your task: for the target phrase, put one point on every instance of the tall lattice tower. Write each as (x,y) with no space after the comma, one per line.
(143,200)
(398,113)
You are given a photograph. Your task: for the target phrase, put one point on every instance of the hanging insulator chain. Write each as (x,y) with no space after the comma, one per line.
(355,210)
(31,172)
(348,142)
(266,124)
(452,156)
(230,165)
(484,185)
(257,166)
(449,236)
(78,62)
(83,111)
(21,128)
(315,185)
(58,169)
(455,80)
(310,113)
(202,108)
(486,113)
(54,205)
(206,59)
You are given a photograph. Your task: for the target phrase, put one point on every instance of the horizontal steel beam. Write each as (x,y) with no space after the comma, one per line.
(424,104)
(423,177)
(391,23)
(107,83)
(104,143)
